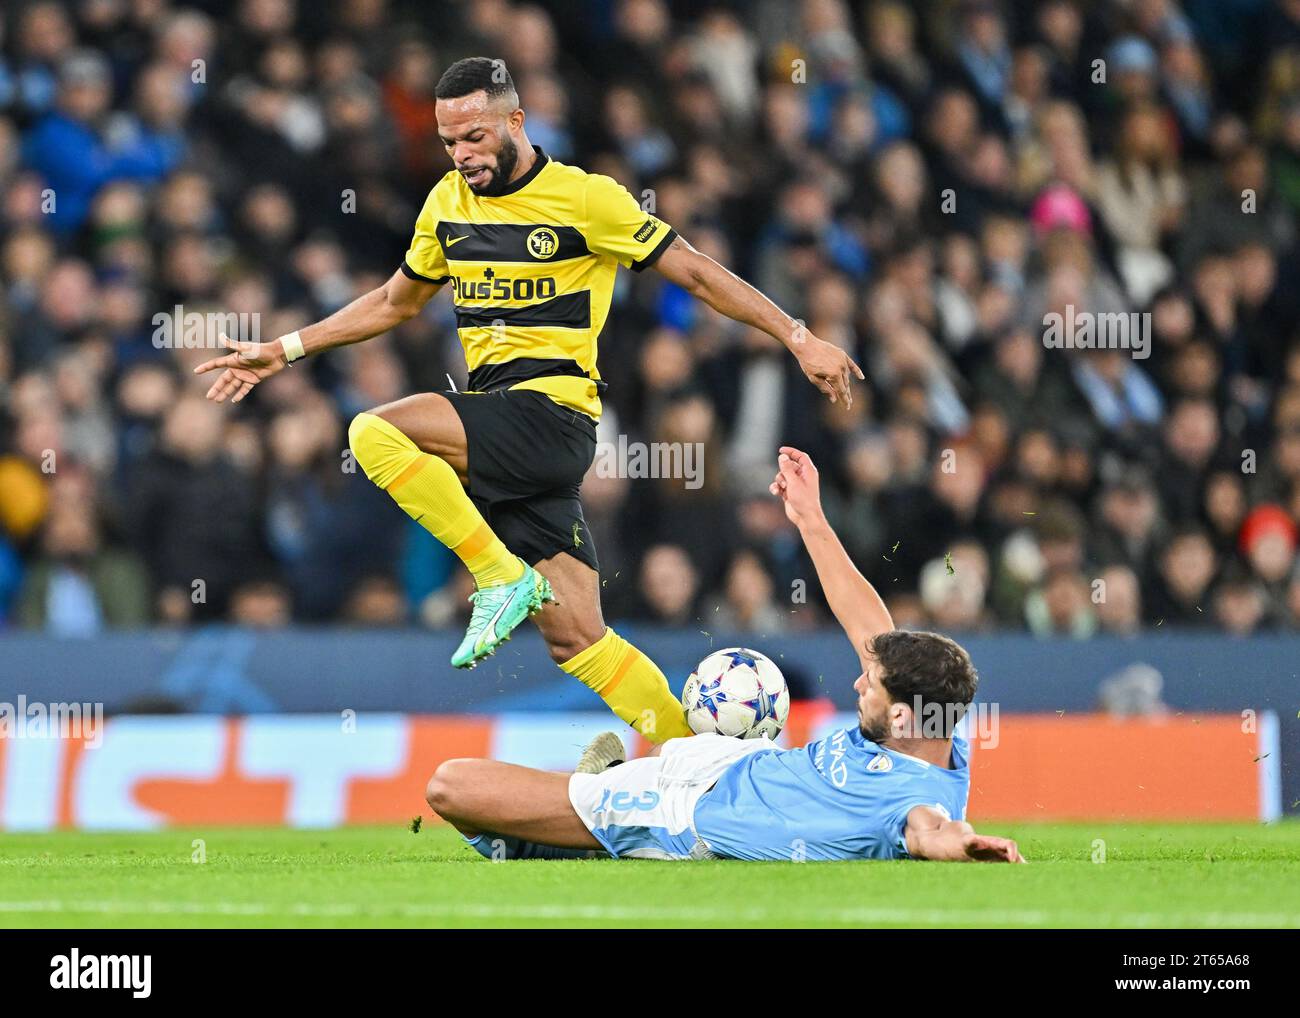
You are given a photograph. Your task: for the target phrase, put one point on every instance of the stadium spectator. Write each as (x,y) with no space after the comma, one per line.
(71,149)
(1239,605)
(191,516)
(1268,541)
(77,586)
(747,602)
(260,604)
(668,585)
(1119,604)
(1061,606)
(919,189)
(1187,567)
(375,601)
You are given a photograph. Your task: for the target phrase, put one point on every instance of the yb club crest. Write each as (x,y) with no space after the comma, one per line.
(543,243)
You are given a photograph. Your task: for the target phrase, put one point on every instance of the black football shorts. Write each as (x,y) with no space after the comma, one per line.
(527,458)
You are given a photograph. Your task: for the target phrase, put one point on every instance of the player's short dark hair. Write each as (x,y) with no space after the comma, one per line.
(927,666)
(475,74)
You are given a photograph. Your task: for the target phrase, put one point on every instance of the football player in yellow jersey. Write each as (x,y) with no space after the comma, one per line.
(530,248)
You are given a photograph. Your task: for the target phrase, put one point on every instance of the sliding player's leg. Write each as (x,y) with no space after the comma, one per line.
(416,450)
(511,812)
(630,683)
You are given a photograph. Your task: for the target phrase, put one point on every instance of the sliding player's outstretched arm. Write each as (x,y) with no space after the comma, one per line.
(931,835)
(824,364)
(860,610)
(370,314)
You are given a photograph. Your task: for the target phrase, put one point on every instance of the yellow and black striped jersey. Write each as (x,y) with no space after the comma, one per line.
(532,273)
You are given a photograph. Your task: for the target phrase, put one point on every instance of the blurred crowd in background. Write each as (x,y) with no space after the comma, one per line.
(919,182)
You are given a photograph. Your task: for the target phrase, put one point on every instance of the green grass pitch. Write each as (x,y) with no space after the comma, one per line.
(1180,875)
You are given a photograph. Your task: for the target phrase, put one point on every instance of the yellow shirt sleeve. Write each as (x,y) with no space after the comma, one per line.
(425,259)
(616,225)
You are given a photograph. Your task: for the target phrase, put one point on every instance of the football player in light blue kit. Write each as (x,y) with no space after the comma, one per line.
(895,787)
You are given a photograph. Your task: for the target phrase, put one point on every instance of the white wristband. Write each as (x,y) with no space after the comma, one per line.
(293,349)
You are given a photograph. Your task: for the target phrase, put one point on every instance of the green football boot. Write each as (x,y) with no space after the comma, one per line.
(497,611)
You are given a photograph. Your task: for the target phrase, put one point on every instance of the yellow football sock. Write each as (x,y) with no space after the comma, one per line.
(631,685)
(428,490)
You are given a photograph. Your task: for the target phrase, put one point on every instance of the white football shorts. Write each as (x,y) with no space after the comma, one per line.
(643,809)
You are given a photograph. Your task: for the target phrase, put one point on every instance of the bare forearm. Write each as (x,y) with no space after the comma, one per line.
(946,843)
(827,366)
(730,295)
(930,835)
(369,315)
(366,317)
(859,608)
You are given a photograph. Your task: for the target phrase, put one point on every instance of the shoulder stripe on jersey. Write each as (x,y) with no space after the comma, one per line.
(567,311)
(410,273)
(653,256)
(510,242)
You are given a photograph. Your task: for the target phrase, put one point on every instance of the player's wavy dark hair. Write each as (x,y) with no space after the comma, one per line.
(926,665)
(475,74)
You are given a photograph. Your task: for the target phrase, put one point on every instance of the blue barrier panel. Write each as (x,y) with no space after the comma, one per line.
(239,671)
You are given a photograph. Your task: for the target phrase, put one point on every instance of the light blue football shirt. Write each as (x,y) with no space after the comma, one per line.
(841,797)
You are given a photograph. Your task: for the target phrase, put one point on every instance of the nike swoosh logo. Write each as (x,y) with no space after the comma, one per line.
(454,240)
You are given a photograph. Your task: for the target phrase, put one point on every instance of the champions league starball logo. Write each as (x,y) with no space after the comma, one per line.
(712,694)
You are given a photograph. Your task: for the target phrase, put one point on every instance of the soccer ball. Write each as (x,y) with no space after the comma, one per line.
(737,692)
